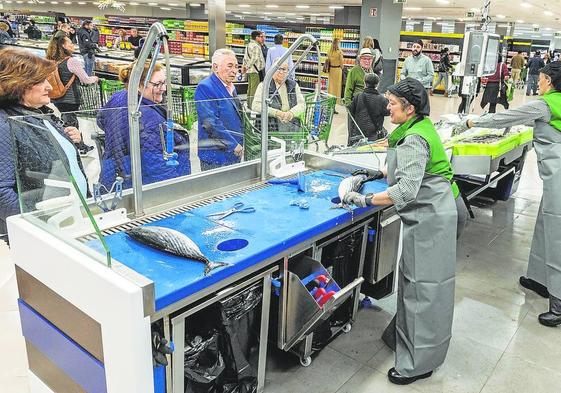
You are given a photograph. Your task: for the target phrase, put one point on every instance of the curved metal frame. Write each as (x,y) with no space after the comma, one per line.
(266,99)
(157,33)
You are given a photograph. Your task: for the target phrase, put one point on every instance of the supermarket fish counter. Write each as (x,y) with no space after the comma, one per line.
(279,217)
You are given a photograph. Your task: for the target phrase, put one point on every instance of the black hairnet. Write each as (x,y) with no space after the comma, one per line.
(553,70)
(414,92)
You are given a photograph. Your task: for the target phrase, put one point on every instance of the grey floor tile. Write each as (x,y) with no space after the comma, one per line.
(364,340)
(486,320)
(537,344)
(368,380)
(383,360)
(12,343)
(14,385)
(516,375)
(467,367)
(327,373)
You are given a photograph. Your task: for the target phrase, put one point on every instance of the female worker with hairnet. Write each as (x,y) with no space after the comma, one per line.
(544,267)
(426,198)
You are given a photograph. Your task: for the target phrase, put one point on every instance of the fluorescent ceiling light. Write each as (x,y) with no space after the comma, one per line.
(19,2)
(336,7)
(267,13)
(461,20)
(133,3)
(290,13)
(547,35)
(194,5)
(302,6)
(67,2)
(474,9)
(315,14)
(501,16)
(153,4)
(548,13)
(9,1)
(246,12)
(535,25)
(244,5)
(81,2)
(54,2)
(412,9)
(300,18)
(173,4)
(272,6)
(519,21)
(165,8)
(443,1)
(526,5)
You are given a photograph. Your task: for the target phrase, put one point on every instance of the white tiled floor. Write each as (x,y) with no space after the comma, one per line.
(497,344)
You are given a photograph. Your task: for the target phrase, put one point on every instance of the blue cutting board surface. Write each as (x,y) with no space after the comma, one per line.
(272,228)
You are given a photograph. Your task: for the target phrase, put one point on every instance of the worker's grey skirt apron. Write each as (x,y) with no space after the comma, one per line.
(545,255)
(427,269)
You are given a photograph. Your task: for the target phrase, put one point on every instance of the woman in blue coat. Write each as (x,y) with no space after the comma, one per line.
(113,119)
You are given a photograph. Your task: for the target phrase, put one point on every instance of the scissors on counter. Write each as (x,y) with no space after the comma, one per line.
(237,208)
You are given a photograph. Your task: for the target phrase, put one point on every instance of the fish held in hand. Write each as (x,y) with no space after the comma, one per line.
(172,242)
(348,184)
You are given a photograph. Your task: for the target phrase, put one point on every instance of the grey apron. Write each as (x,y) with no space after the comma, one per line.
(545,255)
(427,269)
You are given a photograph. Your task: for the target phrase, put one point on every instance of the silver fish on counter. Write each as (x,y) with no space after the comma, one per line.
(348,184)
(173,242)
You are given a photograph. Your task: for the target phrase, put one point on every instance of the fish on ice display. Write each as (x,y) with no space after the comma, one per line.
(348,184)
(172,242)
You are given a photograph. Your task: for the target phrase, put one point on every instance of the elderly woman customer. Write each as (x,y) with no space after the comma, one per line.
(287,102)
(36,147)
(114,120)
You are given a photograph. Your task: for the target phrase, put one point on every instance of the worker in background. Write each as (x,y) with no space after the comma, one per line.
(276,52)
(535,64)
(88,46)
(516,65)
(426,198)
(220,113)
(419,67)
(254,64)
(134,39)
(544,268)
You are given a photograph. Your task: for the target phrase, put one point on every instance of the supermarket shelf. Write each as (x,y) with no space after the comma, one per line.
(237,45)
(140,27)
(430,50)
(308,74)
(190,42)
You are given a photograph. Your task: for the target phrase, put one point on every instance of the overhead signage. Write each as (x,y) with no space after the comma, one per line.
(373,12)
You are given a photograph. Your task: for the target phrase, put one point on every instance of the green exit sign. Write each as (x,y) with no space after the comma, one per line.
(558,34)
(399,1)
(470,14)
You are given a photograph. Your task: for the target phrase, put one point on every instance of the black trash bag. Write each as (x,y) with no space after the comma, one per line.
(241,318)
(204,364)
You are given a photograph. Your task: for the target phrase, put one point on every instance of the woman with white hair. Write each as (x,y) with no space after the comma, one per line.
(287,102)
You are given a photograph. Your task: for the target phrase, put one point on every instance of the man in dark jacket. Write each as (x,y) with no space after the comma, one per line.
(88,46)
(368,110)
(10,31)
(444,68)
(535,64)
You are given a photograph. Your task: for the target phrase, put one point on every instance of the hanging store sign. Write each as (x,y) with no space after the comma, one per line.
(373,12)
(470,14)
(557,34)
(399,1)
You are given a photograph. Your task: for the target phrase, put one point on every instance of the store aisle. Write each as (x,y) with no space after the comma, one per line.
(497,344)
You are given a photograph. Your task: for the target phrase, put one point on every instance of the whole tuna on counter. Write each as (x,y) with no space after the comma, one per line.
(173,242)
(348,184)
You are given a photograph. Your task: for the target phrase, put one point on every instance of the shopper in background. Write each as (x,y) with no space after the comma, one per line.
(43,146)
(134,39)
(355,77)
(495,90)
(60,50)
(422,190)
(276,52)
(419,67)
(72,34)
(32,31)
(444,69)
(254,64)
(114,120)
(376,50)
(547,58)
(544,268)
(220,113)
(88,46)
(368,110)
(516,65)
(287,102)
(4,36)
(335,68)
(120,40)
(10,31)
(535,64)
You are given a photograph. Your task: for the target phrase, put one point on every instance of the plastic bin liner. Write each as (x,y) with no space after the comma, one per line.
(204,364)
(241,318)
